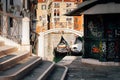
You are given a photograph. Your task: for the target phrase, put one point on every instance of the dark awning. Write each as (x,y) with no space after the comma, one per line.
(81,7)
(95,7)
(108,8)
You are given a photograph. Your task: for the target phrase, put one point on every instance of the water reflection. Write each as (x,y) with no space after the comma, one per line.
(57,59)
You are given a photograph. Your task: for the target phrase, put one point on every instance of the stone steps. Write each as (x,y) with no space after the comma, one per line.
(12,59)
(47,71)
(20,69)
(20,65)
(40,72)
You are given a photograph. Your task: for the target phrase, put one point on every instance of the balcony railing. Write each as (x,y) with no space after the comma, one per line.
(10,26)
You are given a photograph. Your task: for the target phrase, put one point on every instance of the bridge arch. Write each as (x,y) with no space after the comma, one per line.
(41,39)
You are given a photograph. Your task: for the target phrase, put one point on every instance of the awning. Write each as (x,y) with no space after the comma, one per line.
(108,8)
(81,7)
(95,7)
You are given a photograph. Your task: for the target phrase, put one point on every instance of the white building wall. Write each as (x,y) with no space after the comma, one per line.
(16,29)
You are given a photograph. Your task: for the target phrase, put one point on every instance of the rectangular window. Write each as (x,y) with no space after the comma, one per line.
(56,19)
(56,5)
(1,6)
(11,22)
(23,3)
(68,10)
(68,4)
(11,2)
(69,19)
(43,7)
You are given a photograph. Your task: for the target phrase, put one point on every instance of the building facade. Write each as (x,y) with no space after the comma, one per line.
(9,9)
(42,21)
(50,15)
(58,9)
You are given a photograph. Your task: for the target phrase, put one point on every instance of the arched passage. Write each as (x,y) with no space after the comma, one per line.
(42,38)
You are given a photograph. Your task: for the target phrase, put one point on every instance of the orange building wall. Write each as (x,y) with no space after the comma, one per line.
(78,20)
(78,23)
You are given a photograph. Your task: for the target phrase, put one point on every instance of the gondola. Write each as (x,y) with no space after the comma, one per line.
(76,48)
(62,48)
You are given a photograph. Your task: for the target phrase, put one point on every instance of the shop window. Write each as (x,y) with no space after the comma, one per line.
(117,32)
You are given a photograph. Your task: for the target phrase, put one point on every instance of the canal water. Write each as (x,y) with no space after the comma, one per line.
(51,41)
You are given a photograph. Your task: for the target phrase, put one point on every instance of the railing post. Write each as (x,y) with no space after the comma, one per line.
(25,41)
(41,45)
(25,31)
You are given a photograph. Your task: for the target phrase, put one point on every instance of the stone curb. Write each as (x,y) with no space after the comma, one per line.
(97,62)
(64,74)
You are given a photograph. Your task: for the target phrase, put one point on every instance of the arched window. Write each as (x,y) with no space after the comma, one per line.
(55,12)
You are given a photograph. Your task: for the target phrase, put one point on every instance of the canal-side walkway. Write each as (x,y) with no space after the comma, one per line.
(90,69)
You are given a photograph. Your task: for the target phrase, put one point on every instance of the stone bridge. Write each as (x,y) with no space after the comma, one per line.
(42,35)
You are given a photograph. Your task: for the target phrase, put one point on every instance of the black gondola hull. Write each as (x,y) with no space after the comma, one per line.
(60,53)
(62,49)
(76,53)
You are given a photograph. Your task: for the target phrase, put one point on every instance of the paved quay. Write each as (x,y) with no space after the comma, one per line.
(90,69)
